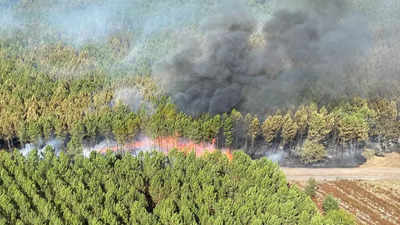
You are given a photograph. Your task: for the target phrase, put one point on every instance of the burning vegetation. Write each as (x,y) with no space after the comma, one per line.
(163,144)
(304,82)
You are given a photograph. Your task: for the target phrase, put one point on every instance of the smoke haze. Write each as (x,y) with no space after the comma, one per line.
(133,98)
(41,145)
(214,56)
(310,50)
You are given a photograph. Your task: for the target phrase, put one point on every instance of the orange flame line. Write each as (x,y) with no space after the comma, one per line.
(166,144)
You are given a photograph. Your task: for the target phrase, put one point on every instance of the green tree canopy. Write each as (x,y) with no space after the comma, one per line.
(151,188)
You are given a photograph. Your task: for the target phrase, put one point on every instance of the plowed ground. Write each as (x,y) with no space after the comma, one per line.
(371,194)
(370,202)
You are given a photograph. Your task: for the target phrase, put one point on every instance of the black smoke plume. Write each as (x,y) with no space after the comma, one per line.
(246,54)
(310,50)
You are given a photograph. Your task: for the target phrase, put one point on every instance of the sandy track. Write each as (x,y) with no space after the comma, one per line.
(331,174)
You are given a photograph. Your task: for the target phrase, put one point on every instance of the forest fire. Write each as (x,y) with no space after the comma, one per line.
(166,144)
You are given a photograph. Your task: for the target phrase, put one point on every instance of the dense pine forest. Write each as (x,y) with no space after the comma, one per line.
(84,110)
(152,189)
(77,83)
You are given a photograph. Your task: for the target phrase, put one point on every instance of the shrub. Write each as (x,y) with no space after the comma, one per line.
(311,187)
(339,217)
(330,203)
(312,152)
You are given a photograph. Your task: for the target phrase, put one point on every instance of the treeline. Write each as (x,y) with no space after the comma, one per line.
(306,132)
(151,189)
(37,106)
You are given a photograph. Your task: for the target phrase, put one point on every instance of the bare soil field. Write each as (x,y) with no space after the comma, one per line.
(371,192)
(371,202)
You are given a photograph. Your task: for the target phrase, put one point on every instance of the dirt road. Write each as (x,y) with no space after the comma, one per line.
(331,174)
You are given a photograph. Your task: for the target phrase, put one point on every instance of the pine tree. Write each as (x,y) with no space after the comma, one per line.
(301,118)
(289,130)
(238,128)
(386,115)
(272,127)
(228,130)
(352,127)
(254,130)
(320,125)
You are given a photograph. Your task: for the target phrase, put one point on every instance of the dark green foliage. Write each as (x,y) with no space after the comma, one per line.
(149,189)
(330,203)
(311,187)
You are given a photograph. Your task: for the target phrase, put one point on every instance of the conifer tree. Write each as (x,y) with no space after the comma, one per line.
(272,128)
(228,130)
(254,130)
(301,118)
(289,130)
(238,127)
(320,125)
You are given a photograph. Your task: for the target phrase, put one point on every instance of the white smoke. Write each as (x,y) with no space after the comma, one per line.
(276,157)
(41,145)
(146,145)
(133,98)
(8,21)
(91,23)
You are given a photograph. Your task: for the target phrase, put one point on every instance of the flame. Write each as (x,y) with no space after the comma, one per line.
(166,144)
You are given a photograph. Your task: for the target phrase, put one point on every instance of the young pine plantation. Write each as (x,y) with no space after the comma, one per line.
(152,188)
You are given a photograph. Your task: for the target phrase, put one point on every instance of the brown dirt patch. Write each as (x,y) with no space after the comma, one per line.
(371,202)
(391,160)
(371,192)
